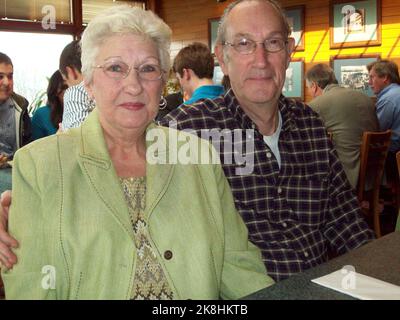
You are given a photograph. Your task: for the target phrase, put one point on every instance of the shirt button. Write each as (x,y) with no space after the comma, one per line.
(279,190)
(306,254)
(168,255)
(269,155)
(284,224)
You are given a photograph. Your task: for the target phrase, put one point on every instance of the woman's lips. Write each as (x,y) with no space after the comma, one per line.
(132,105)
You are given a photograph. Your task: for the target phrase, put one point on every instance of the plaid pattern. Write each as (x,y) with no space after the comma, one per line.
(294,213)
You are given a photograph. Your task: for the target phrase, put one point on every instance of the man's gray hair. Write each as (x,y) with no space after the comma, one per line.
(121,20)
(322,75)
(385,68)
(221,36)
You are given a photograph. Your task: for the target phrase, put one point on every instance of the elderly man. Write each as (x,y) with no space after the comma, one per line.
(347,113)
(296,200)
(15,124)
(384,81)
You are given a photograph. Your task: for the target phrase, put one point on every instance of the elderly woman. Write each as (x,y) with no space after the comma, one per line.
(100,218)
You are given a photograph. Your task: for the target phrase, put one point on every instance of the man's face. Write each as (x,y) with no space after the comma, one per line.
(6,81)
(376,83)
(256,78)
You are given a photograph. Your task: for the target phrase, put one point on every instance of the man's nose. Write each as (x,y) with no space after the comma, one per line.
(260,54)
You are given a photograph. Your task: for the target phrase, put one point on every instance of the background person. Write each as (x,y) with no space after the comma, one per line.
(15,124)
(45,120)
(77,103)
(346,113)
(194,68)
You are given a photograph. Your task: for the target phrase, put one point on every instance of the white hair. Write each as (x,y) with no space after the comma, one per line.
(121,20)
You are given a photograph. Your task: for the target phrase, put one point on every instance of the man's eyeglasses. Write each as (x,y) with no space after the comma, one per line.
(120,70)
(248,46)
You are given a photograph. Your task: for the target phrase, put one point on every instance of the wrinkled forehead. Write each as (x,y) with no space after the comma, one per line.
(255,19)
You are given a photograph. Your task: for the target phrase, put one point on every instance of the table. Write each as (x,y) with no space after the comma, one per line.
(379,259)
(5,179)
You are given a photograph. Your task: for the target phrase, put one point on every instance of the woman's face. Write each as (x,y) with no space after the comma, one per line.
(130,102)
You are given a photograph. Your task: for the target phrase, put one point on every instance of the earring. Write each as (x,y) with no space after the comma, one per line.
(163,103)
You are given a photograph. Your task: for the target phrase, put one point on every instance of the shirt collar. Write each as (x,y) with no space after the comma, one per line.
(284,105)
(386,89)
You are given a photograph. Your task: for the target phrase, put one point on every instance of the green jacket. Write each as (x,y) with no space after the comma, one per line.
(72,221)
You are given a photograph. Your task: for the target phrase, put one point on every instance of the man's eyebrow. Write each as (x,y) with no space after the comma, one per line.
(270,35)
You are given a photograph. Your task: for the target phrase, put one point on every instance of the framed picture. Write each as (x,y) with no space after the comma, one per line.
(294,82)
(351,71)
(212,32)
(355,23)
(295,18)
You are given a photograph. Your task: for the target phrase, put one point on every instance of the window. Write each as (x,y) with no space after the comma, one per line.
(35,57)
(90,8)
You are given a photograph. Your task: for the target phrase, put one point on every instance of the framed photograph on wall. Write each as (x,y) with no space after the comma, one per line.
(294,82)
(355,23)
(351,71)
(295,17)
(212,32)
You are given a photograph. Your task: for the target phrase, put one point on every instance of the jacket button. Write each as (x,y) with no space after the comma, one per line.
(168,255)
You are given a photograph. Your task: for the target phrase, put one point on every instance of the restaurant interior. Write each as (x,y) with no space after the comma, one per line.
(346,35)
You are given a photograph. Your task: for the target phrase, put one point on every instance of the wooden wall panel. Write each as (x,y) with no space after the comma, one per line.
(189,22)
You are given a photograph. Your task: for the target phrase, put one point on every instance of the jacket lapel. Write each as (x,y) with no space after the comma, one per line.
(96,165)
(158,171)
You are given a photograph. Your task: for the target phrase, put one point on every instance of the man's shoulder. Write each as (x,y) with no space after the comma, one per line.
(78,89)
(202,113)
(20,100)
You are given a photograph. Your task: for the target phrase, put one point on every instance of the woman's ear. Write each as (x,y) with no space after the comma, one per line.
(89,90)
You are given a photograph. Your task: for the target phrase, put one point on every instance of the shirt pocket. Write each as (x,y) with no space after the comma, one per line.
(309,200)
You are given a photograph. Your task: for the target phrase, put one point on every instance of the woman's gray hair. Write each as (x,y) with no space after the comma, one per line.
(221,35)
(122,20)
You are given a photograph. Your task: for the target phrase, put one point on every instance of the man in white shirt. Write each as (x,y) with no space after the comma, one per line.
(77,104)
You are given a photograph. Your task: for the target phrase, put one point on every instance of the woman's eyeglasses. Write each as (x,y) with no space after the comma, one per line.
(120,70)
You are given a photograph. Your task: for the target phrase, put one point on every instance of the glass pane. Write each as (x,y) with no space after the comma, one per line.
(90,8)
(36,10)
(35,57)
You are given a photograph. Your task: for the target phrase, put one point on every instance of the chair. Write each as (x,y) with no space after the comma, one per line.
(373,153)
(398,169)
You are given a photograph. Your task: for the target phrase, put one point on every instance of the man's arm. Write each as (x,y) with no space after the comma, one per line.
(385,111)
(7,257)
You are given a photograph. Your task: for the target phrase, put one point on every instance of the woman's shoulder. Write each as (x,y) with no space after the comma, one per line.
(41,111)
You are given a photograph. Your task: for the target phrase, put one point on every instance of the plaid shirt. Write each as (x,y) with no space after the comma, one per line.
(296,212)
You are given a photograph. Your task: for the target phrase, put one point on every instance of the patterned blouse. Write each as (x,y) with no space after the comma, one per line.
(150,282)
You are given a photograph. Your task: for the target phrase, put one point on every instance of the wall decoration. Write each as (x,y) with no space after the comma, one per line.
(351,71)
(355,23)
(294,82)
(212,32)
(295,17)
